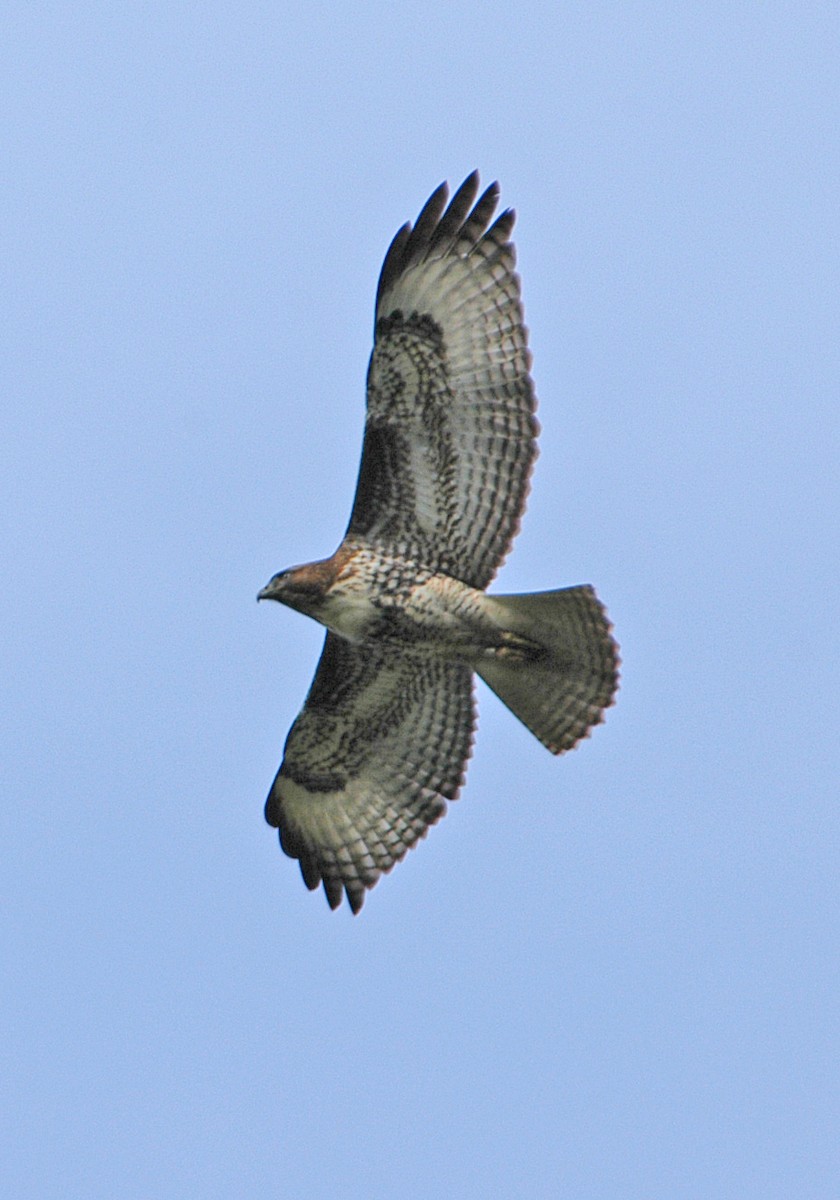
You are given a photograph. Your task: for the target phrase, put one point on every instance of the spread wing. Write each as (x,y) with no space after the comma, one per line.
(450,430)
(380,746)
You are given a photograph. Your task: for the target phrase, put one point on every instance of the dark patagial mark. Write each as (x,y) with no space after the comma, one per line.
(384,484)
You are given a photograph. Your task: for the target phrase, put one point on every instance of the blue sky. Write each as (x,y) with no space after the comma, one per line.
(609,975)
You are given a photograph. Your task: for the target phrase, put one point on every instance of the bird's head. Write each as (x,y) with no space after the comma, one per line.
(302,588)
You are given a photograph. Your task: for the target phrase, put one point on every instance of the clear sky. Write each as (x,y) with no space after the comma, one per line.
(605,977)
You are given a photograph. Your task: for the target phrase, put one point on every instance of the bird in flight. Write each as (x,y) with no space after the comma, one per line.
(384,736)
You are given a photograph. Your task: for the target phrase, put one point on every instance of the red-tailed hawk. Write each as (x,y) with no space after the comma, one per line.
(384,736)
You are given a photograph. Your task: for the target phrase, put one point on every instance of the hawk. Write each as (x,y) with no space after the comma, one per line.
(386,730)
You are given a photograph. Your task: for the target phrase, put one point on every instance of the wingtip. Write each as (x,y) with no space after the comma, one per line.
(335,892)
(441,193)
(492,192)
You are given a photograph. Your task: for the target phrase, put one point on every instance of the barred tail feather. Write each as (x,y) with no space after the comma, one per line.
(561,678)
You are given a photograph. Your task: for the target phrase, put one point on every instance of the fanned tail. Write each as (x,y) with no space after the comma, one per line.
(560,671)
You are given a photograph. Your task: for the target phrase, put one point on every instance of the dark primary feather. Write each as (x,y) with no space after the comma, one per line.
(436,229)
